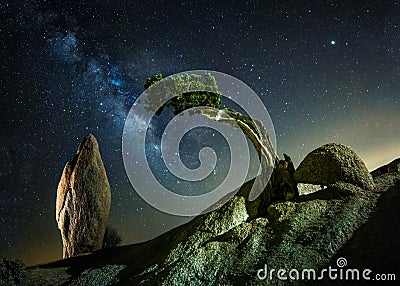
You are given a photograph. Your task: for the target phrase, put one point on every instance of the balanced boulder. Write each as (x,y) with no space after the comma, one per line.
(83,200)
(333,163)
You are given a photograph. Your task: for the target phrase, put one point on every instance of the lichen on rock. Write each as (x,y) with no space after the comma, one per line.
(104,276)
(333,163)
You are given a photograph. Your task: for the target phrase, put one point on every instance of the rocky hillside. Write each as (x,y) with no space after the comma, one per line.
(229,245)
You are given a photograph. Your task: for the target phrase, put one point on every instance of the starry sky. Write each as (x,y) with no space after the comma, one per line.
(327,71)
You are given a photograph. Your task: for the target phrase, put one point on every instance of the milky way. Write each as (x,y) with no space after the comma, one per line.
(326,71)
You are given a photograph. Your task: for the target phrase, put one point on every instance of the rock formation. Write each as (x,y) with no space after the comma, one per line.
(104,276)
(229,245)
(333,163)
(392,167)
(83,200)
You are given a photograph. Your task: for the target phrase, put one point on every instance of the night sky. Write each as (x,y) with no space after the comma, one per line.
(326,71)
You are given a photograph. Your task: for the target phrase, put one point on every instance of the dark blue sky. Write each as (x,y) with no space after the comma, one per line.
(327,71)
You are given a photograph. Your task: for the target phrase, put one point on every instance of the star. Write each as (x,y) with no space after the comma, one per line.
(65,75)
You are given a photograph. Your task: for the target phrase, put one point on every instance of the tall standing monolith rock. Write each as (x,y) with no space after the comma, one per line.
(83,200)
